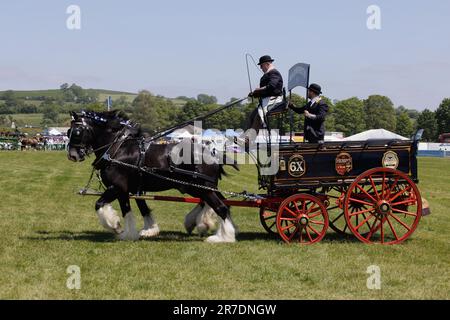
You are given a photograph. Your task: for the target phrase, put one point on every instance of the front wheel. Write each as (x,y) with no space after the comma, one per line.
(302,218)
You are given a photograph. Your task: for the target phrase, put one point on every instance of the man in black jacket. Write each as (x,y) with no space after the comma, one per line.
(315,112)
(270,91)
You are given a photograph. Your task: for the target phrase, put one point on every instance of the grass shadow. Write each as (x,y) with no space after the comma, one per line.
(170,236)
(93,236)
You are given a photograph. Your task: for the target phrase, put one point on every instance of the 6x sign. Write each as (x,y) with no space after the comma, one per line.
(296,165)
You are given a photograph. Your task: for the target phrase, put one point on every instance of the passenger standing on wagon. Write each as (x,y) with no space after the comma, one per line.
(315,112)
(270,91)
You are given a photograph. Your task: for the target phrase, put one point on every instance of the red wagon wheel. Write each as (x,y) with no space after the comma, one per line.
(302,218)
(389,203)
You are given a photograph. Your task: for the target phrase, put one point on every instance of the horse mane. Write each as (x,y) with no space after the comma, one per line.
(112,115)
(115,119)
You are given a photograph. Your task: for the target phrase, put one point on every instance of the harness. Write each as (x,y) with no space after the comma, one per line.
(144,143)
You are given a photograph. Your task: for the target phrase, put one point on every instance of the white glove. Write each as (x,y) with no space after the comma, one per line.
(309,115)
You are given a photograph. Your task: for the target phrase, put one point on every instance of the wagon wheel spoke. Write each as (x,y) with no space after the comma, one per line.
(288,227)
(294,233)
(392,228)
(360,212)
(314,230)
(309,235)
(367,193)
(269,217)
(382,185)
(315,215)
(335,219)
(301,234)
(400,221)
(407,201)
(405,212)
(317,222)
(375,227)
(367,222)
(364,221)
(290,211)
(296,207)
(373,186)
(362,202)
(398,194)
(392,187)
(311,208)
(268,220)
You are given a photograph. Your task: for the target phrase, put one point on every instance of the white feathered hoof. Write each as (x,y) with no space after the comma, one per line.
(225,234)
(202,229)
(109,219)
(206,220)
(130,233)
(219,239)
(151,232)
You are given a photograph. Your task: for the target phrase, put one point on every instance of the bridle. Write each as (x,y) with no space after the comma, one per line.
(77,134)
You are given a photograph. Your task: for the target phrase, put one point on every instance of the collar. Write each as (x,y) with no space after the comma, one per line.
(270,69)
(315,100)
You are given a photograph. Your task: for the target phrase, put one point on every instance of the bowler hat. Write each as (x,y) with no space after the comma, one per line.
(315,87)
(265,59)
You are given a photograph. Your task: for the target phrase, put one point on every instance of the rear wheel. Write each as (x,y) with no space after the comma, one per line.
(389,203)
(302,218)
(268,219)
(336,212)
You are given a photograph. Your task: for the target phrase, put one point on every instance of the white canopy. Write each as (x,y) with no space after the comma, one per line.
(54,132)
(375,134)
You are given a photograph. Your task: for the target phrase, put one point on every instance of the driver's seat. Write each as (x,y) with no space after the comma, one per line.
(280,107)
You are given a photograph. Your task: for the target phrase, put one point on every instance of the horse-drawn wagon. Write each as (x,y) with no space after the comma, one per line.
(365,188)
(361,188)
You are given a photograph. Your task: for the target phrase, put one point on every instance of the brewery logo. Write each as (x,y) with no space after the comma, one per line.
(390,160)
(296,165)
(343,163)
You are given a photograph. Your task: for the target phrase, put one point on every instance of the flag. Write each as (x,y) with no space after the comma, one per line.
(298,76)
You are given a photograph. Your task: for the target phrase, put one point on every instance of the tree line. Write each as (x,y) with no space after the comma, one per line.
(155,113)
(349,116)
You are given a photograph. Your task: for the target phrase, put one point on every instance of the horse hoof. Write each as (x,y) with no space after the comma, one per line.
(128,236)
(217,239)
(149,233)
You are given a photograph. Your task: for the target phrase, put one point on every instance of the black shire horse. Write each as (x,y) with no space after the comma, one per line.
(112,133)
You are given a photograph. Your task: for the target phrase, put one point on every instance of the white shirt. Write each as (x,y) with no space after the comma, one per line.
(314,100)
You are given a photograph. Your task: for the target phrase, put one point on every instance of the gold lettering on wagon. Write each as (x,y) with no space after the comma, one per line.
(296,165)
(343,163)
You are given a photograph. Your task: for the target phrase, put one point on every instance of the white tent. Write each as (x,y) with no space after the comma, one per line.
(375,134)
(54,132)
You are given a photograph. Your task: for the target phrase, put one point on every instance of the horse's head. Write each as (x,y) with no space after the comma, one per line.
(81,136)
(90,131)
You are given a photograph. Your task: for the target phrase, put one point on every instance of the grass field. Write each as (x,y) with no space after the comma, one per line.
(35,119)
(45,228)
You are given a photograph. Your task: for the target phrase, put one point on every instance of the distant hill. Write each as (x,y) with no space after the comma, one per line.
(30,94)
(36,98)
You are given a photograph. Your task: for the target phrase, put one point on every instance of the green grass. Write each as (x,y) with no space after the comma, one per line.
(46,227)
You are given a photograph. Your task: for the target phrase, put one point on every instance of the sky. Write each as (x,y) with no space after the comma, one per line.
(176,48)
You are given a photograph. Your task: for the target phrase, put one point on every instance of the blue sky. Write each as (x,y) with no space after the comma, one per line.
(188,47)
